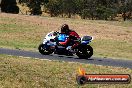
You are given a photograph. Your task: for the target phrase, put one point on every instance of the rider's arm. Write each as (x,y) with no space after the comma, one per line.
(65,43)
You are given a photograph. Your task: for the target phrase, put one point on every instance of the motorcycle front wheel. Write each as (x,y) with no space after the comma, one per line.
(85,52)
(43,50)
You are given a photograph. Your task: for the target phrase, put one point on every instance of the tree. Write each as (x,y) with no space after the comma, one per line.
(68,7)
(92,9)
(34,5)
(53,7)
(125,8)
(9,6)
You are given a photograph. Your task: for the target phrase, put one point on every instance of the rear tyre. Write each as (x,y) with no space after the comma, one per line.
(43,50)
(85,52)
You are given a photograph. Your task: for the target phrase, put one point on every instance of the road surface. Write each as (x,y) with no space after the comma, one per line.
(92,60)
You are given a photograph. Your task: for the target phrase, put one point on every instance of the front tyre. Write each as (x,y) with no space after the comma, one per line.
(44,50)
(85,52)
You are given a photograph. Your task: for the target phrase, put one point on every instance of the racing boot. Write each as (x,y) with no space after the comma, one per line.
(70,49)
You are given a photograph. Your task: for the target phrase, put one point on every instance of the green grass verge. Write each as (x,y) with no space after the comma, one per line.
(18,72)
(111,48)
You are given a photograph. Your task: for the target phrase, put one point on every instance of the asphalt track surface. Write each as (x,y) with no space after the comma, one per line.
(92,60)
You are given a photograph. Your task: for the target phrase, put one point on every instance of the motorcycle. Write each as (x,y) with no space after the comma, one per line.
(52,43)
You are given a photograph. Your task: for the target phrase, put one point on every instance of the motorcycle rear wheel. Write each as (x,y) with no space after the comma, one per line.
(85,52)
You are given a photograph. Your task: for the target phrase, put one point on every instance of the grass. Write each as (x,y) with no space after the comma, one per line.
(19,72)
(115,49)
(112,39)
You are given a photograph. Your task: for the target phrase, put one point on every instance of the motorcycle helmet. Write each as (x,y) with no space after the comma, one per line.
(65,29)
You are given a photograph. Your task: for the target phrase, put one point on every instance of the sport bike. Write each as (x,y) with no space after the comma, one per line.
(52,43)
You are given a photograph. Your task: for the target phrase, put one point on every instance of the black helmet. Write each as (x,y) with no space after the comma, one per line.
(65,28)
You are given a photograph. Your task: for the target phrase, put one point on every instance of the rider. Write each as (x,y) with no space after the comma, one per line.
(73,37)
